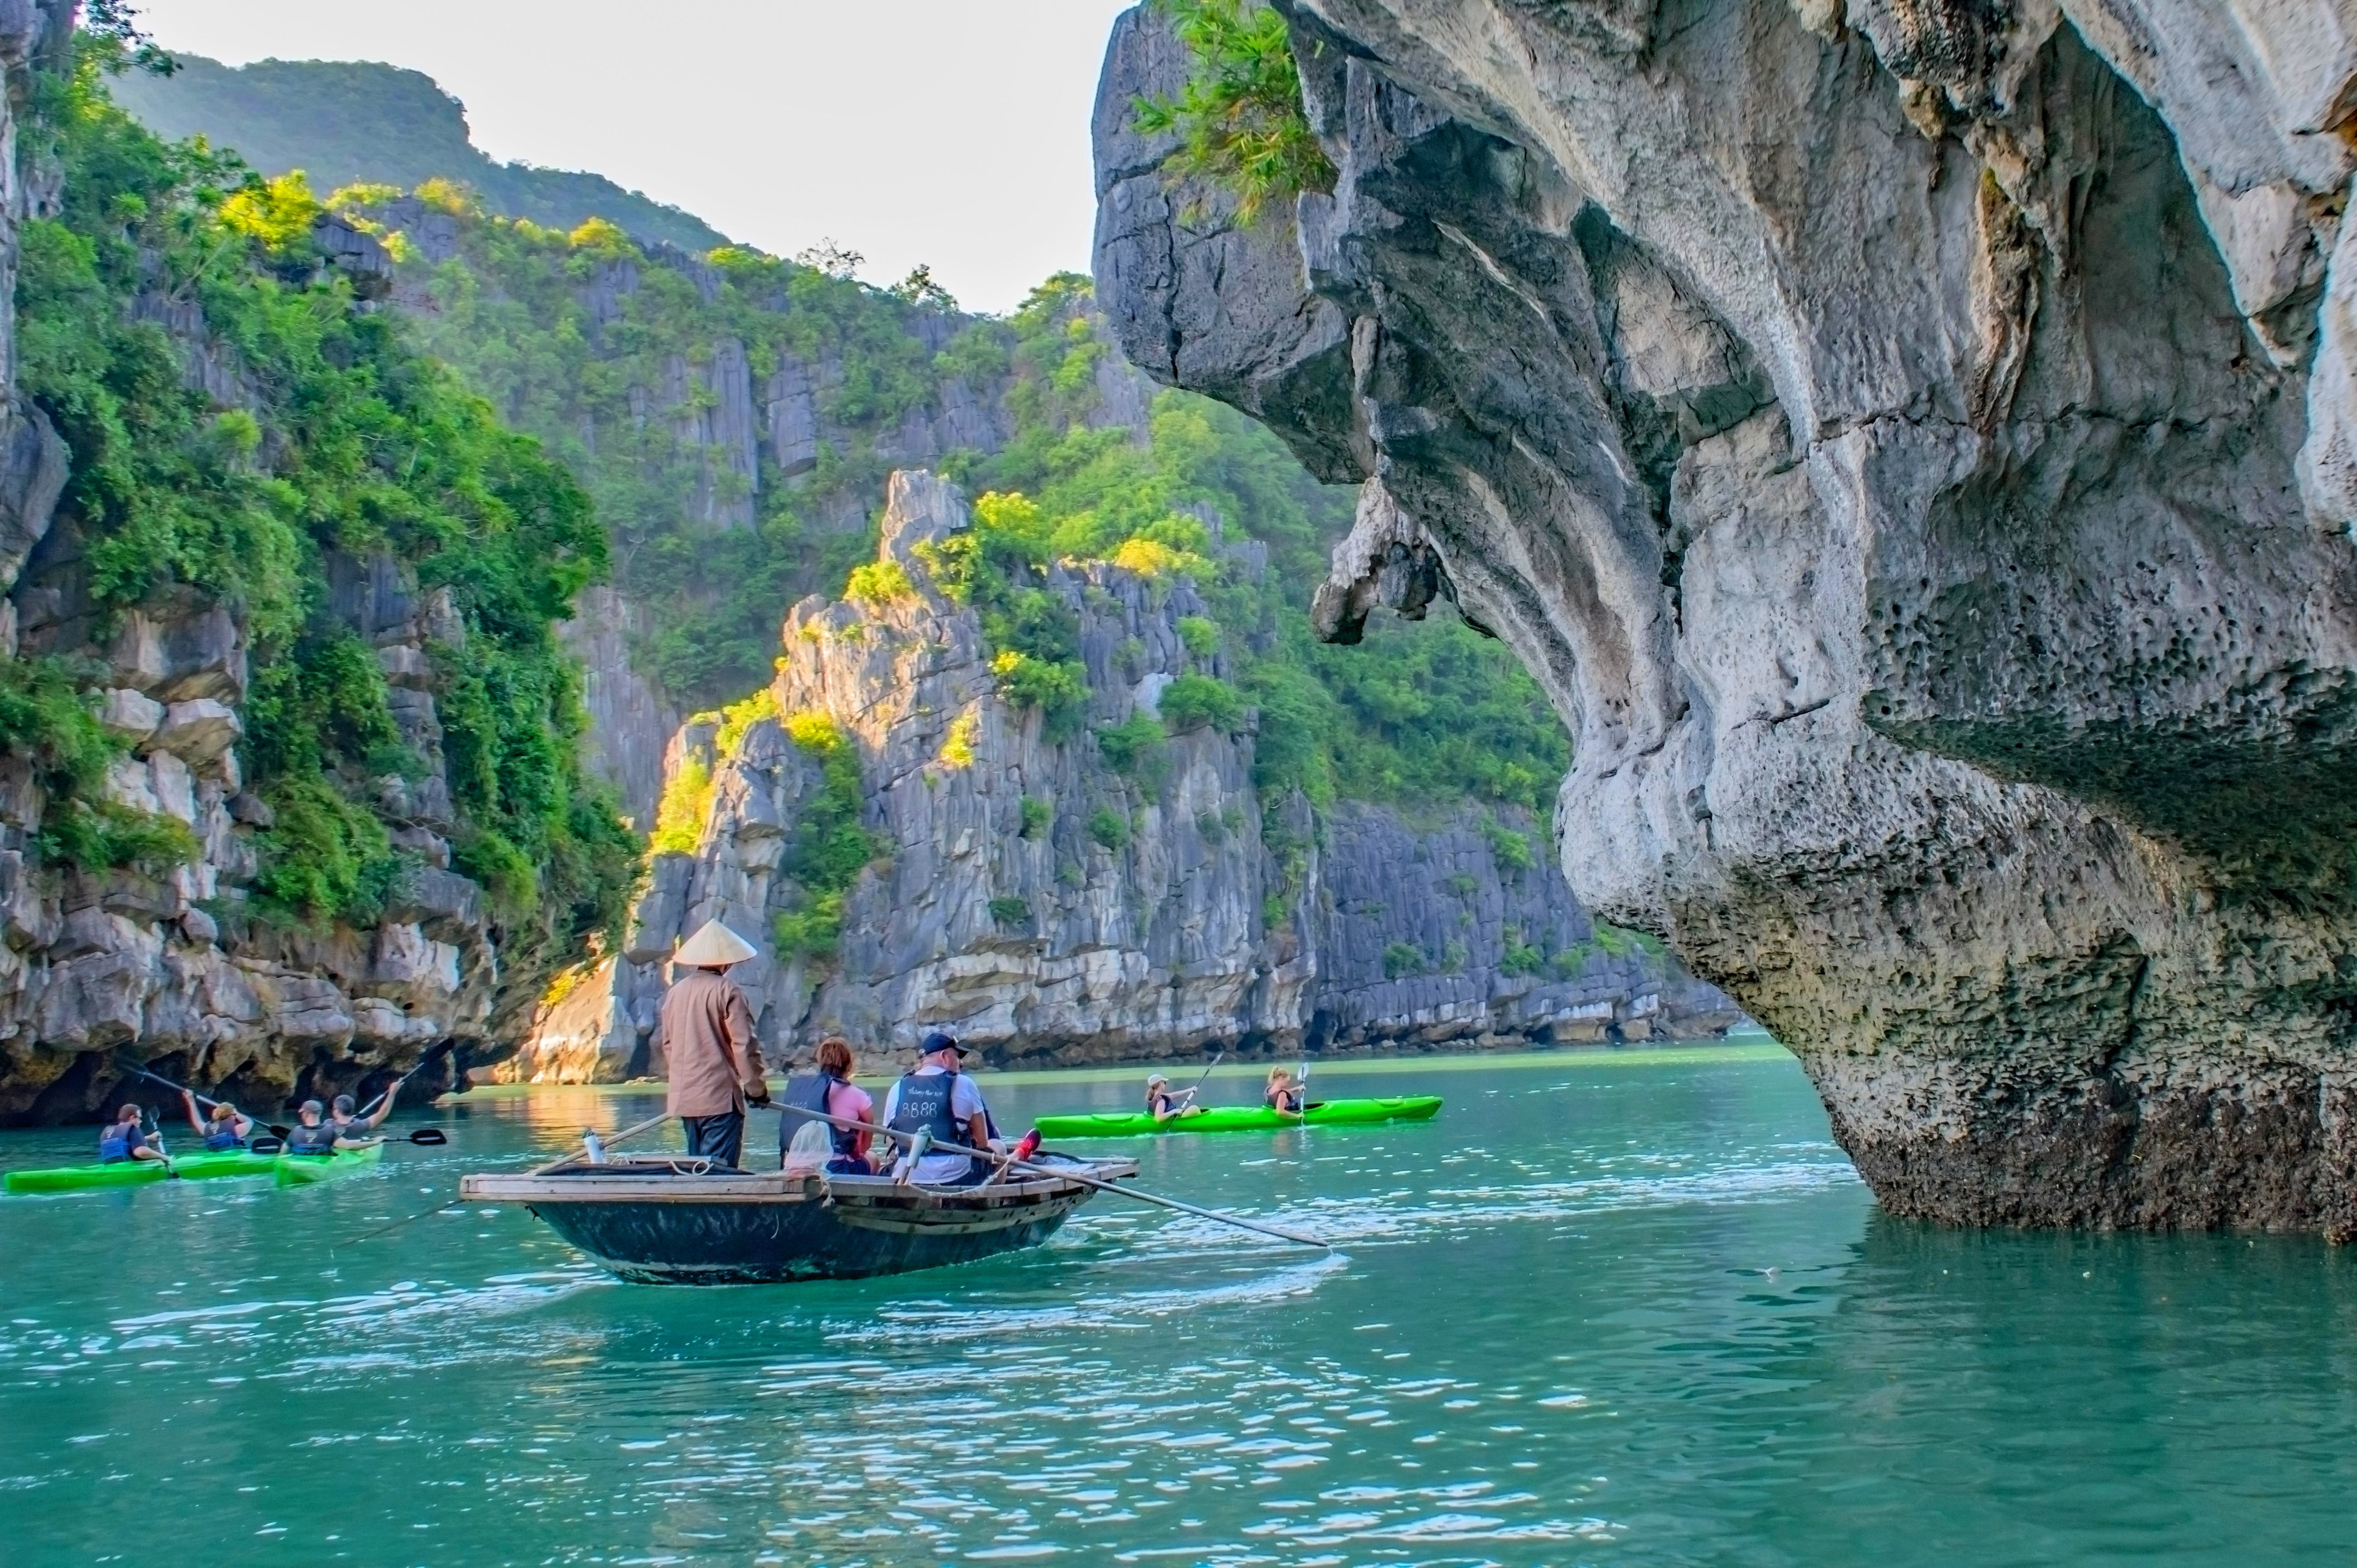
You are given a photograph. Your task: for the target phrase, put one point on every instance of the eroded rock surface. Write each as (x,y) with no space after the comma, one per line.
(1911,445)
(98,968)
(1051,908)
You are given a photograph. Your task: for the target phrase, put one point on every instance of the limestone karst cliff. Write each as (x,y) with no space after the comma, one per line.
(1055,898)
(289,801)
(1911,444)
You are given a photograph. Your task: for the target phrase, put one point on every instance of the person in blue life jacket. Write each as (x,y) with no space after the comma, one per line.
(226,1129)
(936,1095)
(828,1090)
(1284,1094)
(127,1138)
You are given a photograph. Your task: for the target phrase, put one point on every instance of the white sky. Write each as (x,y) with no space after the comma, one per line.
(950,132)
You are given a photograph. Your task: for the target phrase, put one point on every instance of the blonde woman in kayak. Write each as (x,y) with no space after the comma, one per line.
(1164,1105)
(230,1128)
(1283,1095)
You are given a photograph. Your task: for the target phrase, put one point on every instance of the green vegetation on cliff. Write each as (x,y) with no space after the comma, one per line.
(1239,119)
(341,441)
(732,417)
(654,378)
(1415,713)
(349,121)
(638,371)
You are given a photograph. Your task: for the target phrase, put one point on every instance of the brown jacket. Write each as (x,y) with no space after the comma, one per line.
(706,1031)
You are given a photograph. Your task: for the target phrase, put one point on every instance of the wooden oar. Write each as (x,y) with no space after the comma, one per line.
(943,1145)
(536,1170)
(603,1143)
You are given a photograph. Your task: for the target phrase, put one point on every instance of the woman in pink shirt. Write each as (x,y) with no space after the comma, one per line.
(829,1092)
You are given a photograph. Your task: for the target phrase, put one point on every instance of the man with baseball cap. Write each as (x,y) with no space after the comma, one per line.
(938,1096)
(706,1028)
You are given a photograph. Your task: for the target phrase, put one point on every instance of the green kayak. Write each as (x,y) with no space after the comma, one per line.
(1243,1118)
(294,1170)
(140,1172)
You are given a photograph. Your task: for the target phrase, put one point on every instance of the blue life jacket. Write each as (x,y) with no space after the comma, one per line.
(115,1146)
(219,1141)
(809,1093)
(924,1101)
(319,1140)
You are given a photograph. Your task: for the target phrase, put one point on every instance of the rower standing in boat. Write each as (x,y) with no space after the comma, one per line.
(127,1138)
(705,1034)
(829,1092)
(227,1129)
(938,1097)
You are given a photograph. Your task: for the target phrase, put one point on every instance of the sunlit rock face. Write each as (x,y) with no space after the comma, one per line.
(1050,907)
(1912,445)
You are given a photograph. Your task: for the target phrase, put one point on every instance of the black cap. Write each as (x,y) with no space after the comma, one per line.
(940,1040)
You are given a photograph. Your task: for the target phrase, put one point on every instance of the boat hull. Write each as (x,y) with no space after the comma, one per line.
(652,1225)
(1242,1119)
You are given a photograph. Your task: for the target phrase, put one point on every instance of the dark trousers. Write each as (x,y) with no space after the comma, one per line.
(719,1139)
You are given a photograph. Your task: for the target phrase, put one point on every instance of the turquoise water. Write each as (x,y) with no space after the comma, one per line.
(1631,1310)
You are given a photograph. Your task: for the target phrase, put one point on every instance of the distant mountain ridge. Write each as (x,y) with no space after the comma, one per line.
(347,122)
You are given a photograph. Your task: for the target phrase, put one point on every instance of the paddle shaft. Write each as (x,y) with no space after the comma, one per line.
(943,1146)
(537,1170)
(1197,1086)
(389,1090)
(608,1142)
(275,1131)
(428,1135)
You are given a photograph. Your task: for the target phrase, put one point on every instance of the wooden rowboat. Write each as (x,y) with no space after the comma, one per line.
(678,1221)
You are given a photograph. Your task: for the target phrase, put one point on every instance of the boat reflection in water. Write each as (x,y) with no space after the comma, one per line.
(676,1221)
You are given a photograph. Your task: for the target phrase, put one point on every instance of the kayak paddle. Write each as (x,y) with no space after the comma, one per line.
(394,1086)
(275,1131)
(1197,1086)
(425,1137)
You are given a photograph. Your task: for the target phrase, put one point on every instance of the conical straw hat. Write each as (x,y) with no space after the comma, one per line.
(714,945)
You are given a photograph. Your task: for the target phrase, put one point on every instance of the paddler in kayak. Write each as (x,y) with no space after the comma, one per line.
(127,1138)
(227,1128)
(1164,1105)
(940,1097)
(353,1131)
(829,1092)
(315,1132)
(1283,1095)
(705,1034)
